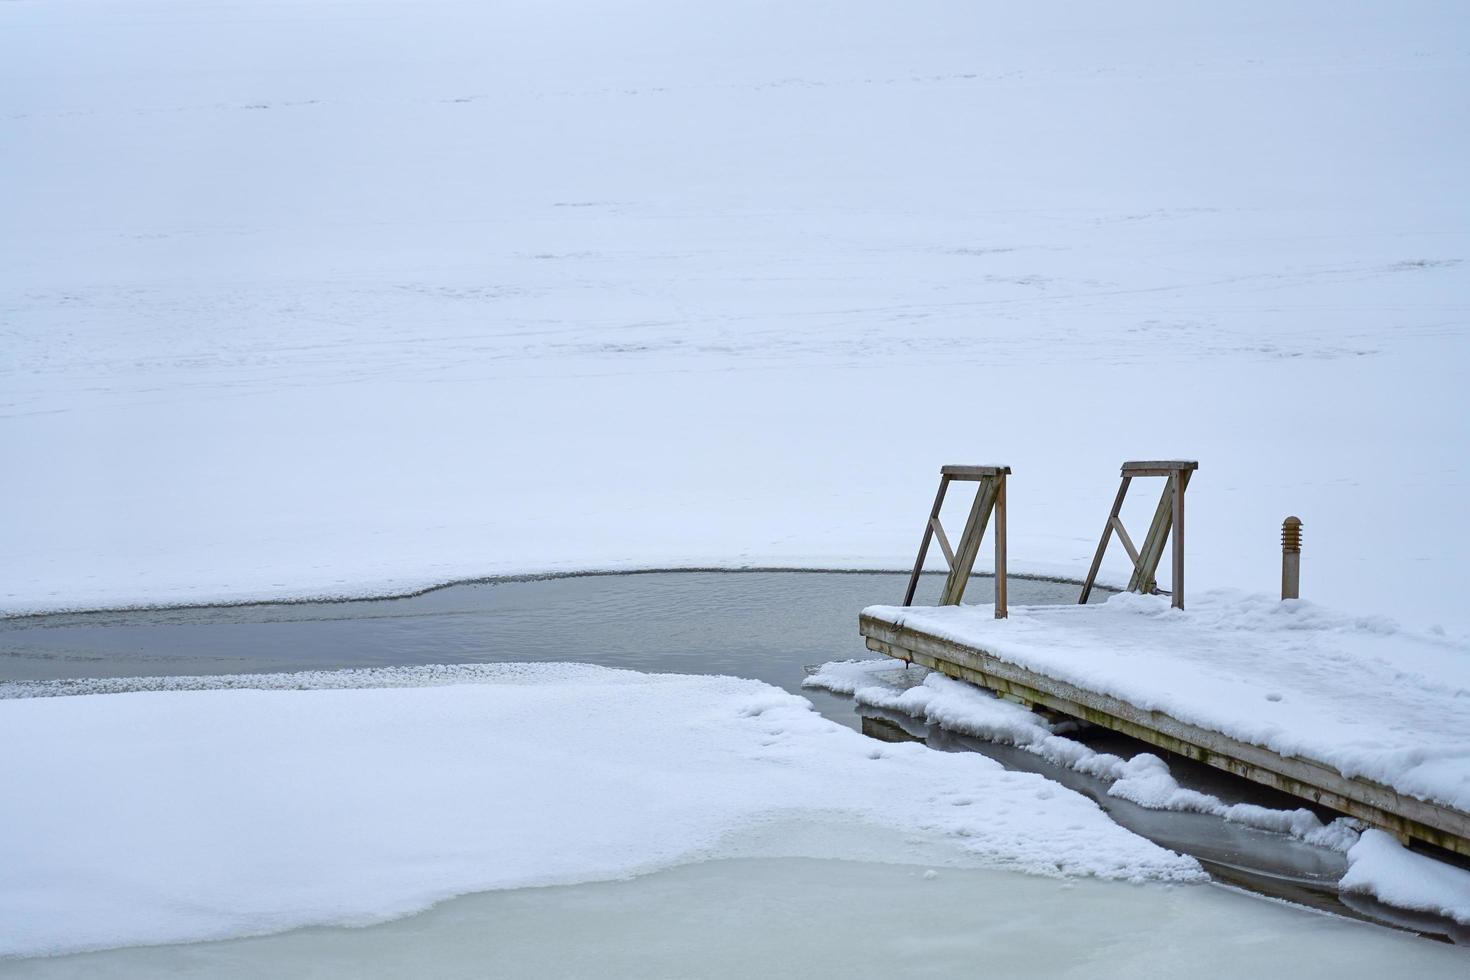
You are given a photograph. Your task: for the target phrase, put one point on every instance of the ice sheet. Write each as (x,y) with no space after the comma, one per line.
(352,297)
(785,918)
(171,816)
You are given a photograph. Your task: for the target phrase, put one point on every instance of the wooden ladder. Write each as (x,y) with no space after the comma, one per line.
(990,496)
(1169,515)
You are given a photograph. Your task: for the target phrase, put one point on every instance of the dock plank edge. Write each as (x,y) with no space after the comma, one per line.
(1369,801)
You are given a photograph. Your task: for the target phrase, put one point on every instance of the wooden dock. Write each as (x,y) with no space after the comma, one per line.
(1409,817)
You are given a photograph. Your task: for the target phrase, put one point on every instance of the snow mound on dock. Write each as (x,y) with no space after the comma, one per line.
(170,816)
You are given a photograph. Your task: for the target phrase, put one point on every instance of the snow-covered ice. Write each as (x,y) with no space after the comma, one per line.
(355,297)
(326,298)
(159,817)
(1356,693)
(1380,866)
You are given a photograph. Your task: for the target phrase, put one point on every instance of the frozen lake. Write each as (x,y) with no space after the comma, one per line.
(763,625)
(770,917)
(317,300)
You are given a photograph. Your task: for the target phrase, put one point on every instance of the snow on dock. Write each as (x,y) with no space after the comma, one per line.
(1354,714)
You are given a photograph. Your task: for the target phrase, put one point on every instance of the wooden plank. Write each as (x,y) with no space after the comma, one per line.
(1152,552)
(943,540)
(1001,598)
(1177,481)
(1021,693)
(1305,778)
(1158,467)
(972,472)
(1102,546)
(908,596)
(969,549)
(1157,472)
(1123,537)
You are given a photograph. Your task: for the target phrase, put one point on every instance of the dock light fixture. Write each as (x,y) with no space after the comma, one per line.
(1291,558)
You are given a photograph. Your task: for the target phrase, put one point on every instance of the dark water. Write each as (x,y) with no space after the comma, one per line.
(763,625)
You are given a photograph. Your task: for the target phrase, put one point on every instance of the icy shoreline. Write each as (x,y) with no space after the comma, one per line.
(1377,864)
(966,709)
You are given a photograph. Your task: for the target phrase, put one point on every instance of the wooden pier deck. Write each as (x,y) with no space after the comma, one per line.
(1069,678)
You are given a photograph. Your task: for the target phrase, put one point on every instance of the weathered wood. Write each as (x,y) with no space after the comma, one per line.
(1102,546)
(969,549)
(1305,778)
(973,472)
(1001,599)
(1178,482)
(943,540)
(1152,552)
(1158,467)
(1123,537)
(989,494)
(1168,515)
(908,596)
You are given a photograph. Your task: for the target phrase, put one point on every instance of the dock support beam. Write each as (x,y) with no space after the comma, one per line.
(990,498)
(1168,516)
